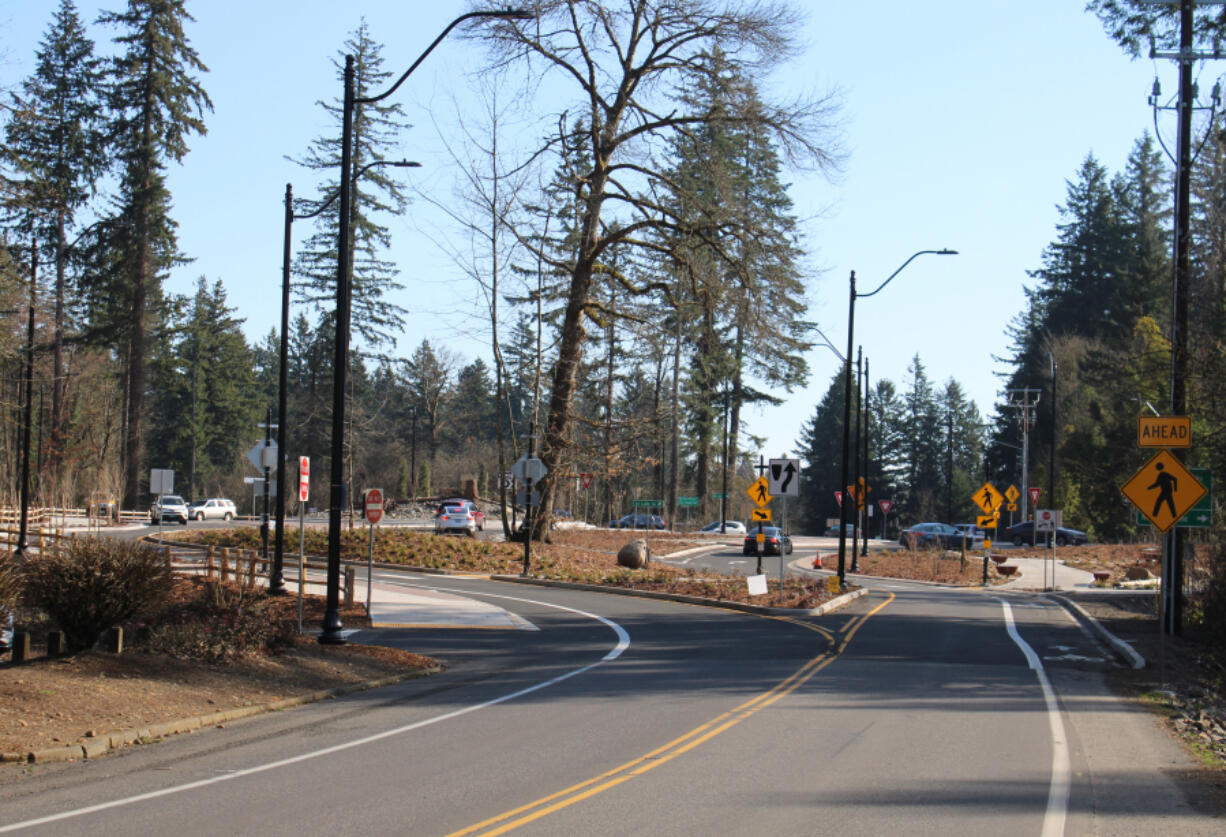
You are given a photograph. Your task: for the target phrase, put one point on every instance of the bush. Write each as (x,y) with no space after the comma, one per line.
(222,622)
(94,583)
(10,584)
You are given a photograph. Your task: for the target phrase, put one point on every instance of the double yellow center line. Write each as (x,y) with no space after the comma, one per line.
(547,805)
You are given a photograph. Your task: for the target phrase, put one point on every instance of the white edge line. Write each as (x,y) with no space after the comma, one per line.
(1058,791)
(623,642)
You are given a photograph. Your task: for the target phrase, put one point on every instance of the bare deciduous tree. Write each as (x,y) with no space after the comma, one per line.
(623,59)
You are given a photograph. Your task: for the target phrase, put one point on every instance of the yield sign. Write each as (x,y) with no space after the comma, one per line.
(1034,495)
(988,499)
(885,505)
(1164,490)
(529,468)
(263,455)
(838,498)
(585,480)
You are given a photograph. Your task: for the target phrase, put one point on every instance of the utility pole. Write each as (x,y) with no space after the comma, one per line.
(1020,399)
(1173,543)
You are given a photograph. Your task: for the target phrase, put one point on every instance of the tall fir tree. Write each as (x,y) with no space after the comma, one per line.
(54,141)
(376,130)
(156,104)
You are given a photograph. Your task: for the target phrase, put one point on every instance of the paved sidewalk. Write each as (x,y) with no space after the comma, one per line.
(1042,573)
(396,606)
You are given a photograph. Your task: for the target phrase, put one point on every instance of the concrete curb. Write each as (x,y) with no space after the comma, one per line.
(1125,652)
(826,607)
(153,733)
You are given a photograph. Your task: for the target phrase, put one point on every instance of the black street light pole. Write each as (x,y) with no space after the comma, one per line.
(851,317)
(868,506)
(723,500)
(856,486)
(331,633)
(276,582)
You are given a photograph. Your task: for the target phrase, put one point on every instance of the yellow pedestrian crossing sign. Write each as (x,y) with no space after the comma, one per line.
(1011,494)
(1164,490)
(988,499)
(759,492)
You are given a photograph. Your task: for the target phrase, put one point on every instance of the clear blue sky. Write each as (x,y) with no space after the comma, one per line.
(962,123)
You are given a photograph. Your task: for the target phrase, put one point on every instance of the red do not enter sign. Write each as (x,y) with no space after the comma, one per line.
(373,508)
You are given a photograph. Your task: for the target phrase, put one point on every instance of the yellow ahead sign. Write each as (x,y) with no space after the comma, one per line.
(1164,431)
(759,492)
(1164,490)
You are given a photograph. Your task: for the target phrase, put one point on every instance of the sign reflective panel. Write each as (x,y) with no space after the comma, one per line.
(1164,431)
(988,499)
(1164,490)
(759,492)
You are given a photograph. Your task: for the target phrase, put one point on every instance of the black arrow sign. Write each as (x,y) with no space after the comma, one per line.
(789,472)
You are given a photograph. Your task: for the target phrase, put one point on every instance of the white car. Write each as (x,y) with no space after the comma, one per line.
(215,508)
(731,527)
(169,507)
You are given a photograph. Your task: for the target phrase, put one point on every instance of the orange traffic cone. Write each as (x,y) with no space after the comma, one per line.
(817,562)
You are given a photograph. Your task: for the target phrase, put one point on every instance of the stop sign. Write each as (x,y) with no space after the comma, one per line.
(374,506)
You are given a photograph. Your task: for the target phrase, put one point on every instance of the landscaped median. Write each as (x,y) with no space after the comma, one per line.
(586,557)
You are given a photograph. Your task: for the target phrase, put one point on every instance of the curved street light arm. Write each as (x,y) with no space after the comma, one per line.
(400,164)
(944,252)
(507,14)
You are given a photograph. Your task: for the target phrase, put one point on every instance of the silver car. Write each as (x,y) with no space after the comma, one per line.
(214,508)
(458,517)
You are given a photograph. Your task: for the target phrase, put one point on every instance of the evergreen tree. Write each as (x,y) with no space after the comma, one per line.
(204,385)
(821,452)
(924,494)
(427,379)
(54,141)
(156,104)
(376,129)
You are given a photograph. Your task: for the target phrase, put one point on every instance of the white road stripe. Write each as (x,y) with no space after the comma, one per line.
(623,642)
(1058,790)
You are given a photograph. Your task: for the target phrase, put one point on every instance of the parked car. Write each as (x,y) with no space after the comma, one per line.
(214,508)
(638,521)
(833,531)
(972,532)
(459,515)
(775,543)
(931,534)
(169,507)
(731,527)
(1023,533)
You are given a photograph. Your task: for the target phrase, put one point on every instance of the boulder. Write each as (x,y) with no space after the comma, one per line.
(634,555)
(1137,574)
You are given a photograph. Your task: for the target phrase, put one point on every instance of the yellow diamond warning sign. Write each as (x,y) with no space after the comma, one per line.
(988,499)
(1164,490)
(759,491)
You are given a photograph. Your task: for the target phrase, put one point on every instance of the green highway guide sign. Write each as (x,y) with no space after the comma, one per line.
(691,502)
(1199,516)
(647,504)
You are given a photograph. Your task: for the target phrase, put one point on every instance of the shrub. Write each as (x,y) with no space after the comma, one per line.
(222,622)
(10,584)
(95,583)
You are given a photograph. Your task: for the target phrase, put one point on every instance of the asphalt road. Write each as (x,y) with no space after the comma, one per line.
(915,710)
